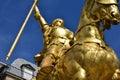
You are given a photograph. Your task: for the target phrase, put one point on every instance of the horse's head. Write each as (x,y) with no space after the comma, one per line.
(107,11)
(93,14)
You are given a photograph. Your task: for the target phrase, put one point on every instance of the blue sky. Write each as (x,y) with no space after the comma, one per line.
(14,12)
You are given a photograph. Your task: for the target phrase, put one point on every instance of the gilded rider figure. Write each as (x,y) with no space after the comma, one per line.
(57,39)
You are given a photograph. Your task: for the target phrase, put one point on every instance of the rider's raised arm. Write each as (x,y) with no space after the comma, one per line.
(39,17)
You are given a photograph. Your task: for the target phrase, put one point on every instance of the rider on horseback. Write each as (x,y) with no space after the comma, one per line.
(57,40)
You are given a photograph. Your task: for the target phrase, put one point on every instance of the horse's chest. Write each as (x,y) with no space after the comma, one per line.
(94,55)
(98,61)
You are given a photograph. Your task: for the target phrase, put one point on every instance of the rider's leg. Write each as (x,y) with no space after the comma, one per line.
(46,67)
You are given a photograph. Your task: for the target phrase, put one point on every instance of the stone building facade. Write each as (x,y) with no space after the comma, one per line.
(20,69)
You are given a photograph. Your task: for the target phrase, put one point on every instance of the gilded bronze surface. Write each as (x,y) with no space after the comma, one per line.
(57,39)
(89,58)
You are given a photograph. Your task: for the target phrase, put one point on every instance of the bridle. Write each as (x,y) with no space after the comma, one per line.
(92,23)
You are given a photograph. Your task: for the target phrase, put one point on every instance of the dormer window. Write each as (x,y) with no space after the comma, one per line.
(27,71)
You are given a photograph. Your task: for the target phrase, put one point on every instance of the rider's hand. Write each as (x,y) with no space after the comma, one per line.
(36,12)
(36,0)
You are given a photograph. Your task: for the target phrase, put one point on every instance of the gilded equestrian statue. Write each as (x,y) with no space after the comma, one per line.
(90,58)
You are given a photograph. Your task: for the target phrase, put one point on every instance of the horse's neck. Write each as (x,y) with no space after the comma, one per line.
(86,16)
(89,31)
(90,34)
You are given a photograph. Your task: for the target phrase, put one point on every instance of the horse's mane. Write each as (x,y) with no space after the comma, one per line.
(88,5)
(86,11)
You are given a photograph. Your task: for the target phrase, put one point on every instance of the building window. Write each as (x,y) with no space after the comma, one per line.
(27,71)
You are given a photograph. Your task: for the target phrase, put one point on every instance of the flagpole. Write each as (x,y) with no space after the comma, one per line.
(21,30)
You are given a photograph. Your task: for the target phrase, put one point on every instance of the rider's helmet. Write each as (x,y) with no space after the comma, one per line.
(59,22)
(107,1)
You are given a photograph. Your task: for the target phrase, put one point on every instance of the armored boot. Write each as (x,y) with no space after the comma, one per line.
(46,67)
(44,72)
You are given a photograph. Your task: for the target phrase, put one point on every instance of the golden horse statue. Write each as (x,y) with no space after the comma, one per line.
(90,58)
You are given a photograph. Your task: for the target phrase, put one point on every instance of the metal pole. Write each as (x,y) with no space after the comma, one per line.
(21,30)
